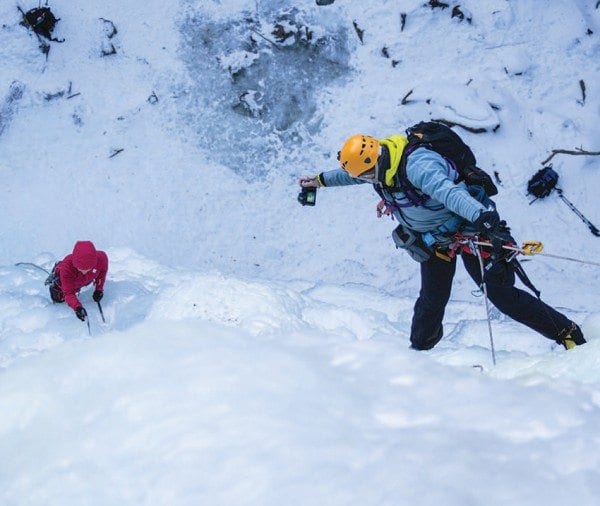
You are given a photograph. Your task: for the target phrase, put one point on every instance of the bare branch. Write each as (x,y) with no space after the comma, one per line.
(577,151)
(474,130)
(115,152)
(405,98)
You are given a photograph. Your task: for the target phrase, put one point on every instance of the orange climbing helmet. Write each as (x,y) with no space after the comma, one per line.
(359,154)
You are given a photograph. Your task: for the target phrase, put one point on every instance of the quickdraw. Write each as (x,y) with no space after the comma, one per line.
(532,248)
(528,248)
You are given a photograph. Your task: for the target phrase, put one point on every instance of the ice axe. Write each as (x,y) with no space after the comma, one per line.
(101,312)
(86,319)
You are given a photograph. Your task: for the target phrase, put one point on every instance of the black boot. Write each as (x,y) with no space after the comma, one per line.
(571,337)
(428,343)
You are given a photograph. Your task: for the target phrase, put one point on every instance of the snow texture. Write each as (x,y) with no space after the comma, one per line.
(256,351)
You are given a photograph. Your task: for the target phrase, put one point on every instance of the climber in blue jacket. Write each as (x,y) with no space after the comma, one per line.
(422,190)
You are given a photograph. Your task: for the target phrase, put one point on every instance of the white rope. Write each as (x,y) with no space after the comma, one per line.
(524,252)
(485,296)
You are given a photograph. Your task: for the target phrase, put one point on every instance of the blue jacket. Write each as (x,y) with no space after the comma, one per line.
(450,208)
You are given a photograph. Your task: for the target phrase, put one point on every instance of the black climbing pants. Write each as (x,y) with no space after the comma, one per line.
(436,284)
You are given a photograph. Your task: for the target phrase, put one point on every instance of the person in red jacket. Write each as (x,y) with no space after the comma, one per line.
(78,269)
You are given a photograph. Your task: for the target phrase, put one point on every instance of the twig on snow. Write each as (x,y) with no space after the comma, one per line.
(577,151)
(582,86)
(359,32)
(405,100)
(263,37)
(474,130)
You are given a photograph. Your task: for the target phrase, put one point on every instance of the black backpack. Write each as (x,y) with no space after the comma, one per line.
(42,21)
(441,139)
(542,183)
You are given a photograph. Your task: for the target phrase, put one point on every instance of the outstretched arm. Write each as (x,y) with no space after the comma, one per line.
(336,177)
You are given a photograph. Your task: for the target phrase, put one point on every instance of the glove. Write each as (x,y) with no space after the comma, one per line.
(500,238)
(81,313)
(487,222)
(490,226)
(311,181)
(97,295)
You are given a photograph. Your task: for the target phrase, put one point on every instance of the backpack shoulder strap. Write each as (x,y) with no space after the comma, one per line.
(413,194)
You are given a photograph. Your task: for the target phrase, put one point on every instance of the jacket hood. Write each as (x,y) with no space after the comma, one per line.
(84,255)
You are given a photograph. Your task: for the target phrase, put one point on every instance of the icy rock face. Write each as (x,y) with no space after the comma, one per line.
(255,81)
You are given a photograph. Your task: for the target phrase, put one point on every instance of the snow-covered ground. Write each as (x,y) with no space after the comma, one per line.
(256,352)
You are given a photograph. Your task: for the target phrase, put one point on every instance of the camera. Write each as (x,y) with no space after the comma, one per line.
(307,196)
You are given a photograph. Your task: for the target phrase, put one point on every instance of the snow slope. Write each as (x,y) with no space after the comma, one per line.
(255,352)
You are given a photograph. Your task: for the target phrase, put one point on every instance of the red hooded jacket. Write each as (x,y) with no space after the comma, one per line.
(84,257)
